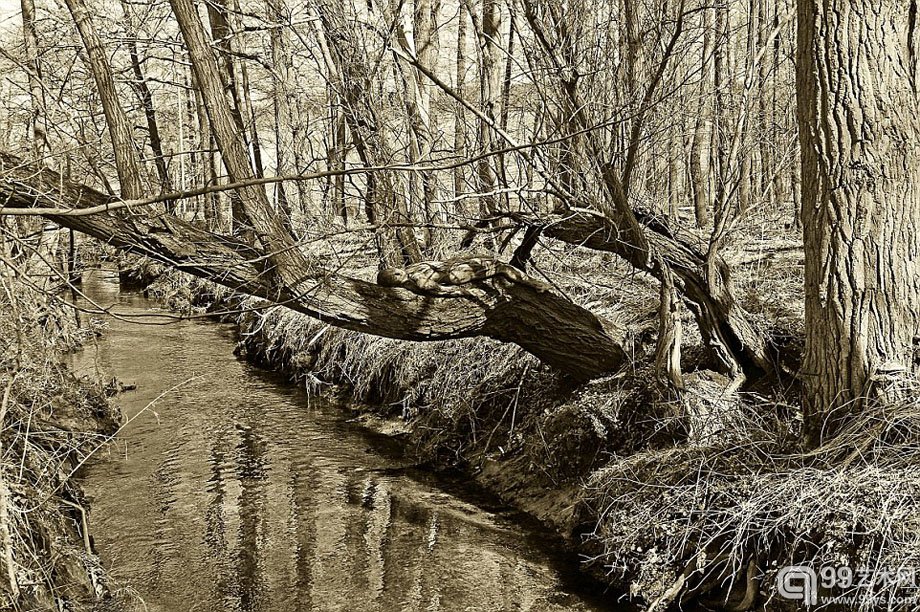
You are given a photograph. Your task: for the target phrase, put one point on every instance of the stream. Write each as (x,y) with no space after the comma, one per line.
(236,490)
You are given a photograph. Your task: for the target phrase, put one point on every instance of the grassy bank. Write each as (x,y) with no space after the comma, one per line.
(696,501)
(50,422)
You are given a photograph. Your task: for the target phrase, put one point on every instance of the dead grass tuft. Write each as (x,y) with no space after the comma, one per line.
(49,421)
(700,516)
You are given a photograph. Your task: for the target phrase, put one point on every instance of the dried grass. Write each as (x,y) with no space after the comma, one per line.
(49,422)
(715,508)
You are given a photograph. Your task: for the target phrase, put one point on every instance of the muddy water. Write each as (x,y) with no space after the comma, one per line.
(235,491)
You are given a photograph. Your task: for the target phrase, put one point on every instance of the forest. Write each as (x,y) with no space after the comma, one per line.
(647,270)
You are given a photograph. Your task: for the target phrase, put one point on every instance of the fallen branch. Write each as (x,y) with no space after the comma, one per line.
(557,331)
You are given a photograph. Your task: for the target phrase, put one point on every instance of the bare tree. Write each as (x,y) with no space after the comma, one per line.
(142,90)
(127,159)
(37,129)
(282,100)
(386,195)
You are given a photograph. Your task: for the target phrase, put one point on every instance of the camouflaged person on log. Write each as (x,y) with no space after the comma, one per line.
(451,278)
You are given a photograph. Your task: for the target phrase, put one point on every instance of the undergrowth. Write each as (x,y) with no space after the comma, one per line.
(50,422)
(721,519)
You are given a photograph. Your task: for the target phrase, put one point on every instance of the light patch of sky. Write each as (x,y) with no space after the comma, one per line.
(9,15)
(9,9)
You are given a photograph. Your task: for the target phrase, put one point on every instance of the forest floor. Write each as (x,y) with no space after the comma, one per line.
(698,499)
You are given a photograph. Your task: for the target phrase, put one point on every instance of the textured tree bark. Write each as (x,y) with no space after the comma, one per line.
(701,145)
(767,101)
(221,34)
(127,160)
(267,228)
(338,152)
(636,80)
(860,141)
(488,32)
(675,188)
(459,83)
(283,103)
(670,332)
(506,102)
(547,325)
(213,213)
(428,44)
(720,113)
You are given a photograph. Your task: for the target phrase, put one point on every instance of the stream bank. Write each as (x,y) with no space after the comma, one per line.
(50,423)
(280,501)
(488,412)
(693,503)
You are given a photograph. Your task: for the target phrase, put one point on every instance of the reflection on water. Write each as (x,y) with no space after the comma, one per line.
(237,493)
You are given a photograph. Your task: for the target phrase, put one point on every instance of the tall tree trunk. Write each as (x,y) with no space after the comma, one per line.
(746,165)
(144,95)
(635,81)
(282,94)
(213,214)
(720,116)
(127,160)
(267,228)
(860,202)
(386,196)
(490,79)
(700,147)
(139,84)
(338,151)
(427,42)
(767,102)
(337,146)
(418,38)
(778,178)
(675,159)
(38,129)
(245,96)
(506,108)
(459,115)
(222,33)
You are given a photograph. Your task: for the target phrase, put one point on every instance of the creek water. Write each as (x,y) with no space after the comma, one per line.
(237,491)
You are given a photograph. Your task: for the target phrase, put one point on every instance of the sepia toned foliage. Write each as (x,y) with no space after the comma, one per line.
(754,164)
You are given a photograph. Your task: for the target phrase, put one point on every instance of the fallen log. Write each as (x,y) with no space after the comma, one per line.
(549,326)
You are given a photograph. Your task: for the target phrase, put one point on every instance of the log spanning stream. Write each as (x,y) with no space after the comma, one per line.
(237,491)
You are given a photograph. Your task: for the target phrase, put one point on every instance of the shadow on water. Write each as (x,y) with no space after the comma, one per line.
(237,492)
